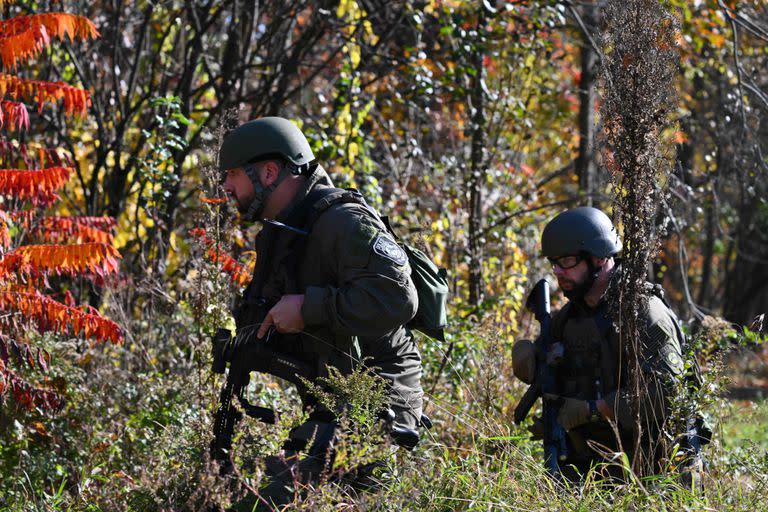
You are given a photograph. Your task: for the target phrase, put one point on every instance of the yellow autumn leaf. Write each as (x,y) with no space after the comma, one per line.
(354,55)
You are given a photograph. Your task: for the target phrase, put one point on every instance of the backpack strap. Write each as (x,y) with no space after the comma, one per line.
(306,214)
(320,200)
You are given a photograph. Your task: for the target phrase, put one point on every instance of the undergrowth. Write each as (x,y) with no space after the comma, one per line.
(135,430)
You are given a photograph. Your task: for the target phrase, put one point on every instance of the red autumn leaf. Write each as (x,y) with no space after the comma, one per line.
(213,200)
(75,100)
(13,115)
(34,185)
(5,234)
(42,359)
(23,37)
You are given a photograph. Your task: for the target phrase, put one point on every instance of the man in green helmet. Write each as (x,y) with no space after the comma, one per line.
(590,364)
(330,283)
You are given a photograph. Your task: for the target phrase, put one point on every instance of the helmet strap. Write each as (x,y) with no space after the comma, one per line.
(305,169)
(261,193)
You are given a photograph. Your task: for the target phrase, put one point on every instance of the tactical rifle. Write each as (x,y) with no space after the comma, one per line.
(246,354)
(544,383)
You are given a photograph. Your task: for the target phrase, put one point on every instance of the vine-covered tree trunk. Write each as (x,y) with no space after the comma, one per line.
(586,169)
(477,169)
(639,45)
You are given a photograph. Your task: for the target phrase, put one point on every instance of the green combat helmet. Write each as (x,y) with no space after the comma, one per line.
(580,230)
(583,231)
(267,138)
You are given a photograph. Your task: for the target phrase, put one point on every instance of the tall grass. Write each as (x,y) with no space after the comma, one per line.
(135,432)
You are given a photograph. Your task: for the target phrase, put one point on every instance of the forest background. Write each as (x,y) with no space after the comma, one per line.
(470,123)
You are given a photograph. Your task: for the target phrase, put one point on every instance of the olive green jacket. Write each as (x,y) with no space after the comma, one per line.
(356,286)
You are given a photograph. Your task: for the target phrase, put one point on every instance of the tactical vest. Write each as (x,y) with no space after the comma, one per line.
(280,252)
(590,368)
(594,364)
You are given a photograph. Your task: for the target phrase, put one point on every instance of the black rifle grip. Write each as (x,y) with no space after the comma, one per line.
(526,402)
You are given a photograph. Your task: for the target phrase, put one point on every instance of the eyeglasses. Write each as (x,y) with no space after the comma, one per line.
(566,262)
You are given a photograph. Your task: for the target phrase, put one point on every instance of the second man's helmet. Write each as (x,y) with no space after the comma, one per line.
(580,230)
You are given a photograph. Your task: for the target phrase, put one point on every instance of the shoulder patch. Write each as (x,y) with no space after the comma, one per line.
(674,361)
(386,247)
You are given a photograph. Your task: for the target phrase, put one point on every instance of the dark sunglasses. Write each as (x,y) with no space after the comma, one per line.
(566,262)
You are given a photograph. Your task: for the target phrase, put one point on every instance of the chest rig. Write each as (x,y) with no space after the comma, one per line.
(281,248)
(590,367)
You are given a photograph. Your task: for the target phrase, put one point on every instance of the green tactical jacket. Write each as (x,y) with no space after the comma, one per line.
(356,285)
(594,366)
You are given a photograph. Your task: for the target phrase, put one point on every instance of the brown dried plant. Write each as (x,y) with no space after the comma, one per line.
(639,69)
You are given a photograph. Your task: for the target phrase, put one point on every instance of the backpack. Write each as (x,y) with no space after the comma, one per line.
(430,281)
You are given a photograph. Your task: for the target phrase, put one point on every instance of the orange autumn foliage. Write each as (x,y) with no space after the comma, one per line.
(76,100)
(39,186)
(23,37)
(75,229)
(238,273)
(69,246)
(72,259)
(50,315)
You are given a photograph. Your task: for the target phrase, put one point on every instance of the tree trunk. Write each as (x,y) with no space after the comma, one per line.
(586,169)
(477,171)
(704,297)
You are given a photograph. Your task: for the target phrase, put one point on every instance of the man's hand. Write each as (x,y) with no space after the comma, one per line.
(285,316)
(573,412)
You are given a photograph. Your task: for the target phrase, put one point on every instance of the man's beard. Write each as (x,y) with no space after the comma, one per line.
(578,291)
